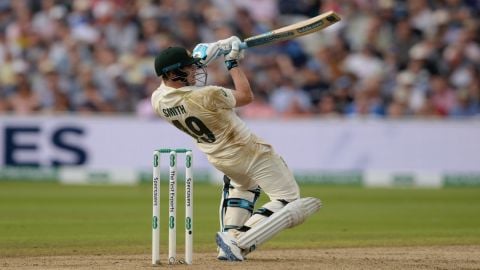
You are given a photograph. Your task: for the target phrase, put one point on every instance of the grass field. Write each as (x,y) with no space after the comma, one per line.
(54,219)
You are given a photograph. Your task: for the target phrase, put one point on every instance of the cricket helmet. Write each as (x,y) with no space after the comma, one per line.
(173,58)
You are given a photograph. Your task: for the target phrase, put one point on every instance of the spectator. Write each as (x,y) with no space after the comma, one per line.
(407,93)
(124,101)
(260,108)
(405,38)
(290,101)
(465,105)
(364,64)
(121,32)
(383,59)
(343,92)
(326,106)
(92,101)
(313,83)
(397,109)
(443,97)
(367,100)
(23,101)
(428,109)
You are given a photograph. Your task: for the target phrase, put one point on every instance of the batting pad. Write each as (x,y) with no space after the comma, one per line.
(293,214)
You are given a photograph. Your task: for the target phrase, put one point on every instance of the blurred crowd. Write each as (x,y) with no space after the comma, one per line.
(386,58)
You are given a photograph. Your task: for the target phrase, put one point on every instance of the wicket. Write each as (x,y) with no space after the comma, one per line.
(172,205)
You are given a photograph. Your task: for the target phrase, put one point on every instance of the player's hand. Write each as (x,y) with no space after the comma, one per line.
(226,44)
(235,54)
(207,52)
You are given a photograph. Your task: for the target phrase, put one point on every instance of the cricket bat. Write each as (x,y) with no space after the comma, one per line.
(208,53)
(292,31)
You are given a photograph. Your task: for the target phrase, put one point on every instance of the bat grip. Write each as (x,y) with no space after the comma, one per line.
(243,45)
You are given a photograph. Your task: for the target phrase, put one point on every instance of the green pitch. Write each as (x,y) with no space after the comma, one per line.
(53,219)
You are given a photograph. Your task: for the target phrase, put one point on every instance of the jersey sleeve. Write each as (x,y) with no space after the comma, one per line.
(155,101)
(220,98)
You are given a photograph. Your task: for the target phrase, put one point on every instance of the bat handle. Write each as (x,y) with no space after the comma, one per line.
(243,45)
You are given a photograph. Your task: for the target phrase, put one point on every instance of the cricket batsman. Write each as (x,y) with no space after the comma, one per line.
(250,165)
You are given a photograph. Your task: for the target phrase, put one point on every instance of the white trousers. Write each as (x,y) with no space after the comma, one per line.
(257,164)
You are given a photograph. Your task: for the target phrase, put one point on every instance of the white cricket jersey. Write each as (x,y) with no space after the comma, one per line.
(205,113)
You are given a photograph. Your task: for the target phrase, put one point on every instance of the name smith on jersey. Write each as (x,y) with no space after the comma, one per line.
(174,111)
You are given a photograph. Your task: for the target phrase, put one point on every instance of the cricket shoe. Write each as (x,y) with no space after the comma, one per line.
(221,255)
(228,245)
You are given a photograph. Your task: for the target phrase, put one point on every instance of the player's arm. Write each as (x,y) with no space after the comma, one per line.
(243,94)
(208,52)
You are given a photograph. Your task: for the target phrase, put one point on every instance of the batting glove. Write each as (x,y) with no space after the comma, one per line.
(207,52)
(231,59)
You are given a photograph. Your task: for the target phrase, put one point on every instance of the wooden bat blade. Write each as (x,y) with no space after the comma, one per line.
(293,31)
